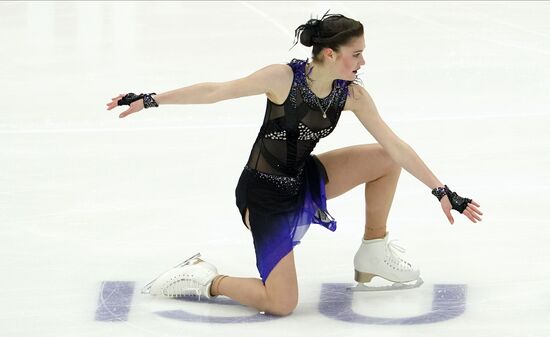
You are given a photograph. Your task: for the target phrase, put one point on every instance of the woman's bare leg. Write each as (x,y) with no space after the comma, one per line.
(346,168)
(279,295)
(369,164)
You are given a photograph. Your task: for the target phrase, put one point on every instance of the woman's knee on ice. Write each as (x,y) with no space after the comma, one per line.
(282,306)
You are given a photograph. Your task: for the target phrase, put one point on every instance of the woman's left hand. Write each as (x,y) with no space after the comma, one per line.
(472,211)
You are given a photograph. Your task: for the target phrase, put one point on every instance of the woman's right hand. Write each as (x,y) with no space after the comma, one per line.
(134,106)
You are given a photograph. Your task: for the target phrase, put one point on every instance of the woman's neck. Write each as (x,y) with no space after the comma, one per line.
(318,79)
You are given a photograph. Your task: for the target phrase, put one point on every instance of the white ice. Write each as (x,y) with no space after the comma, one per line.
(88,198)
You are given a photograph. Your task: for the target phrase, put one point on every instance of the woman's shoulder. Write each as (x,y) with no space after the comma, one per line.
(357,95)
(356,90)
(277,72)
(280,81)
(283,72)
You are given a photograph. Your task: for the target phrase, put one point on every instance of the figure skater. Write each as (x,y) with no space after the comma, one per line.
(283,187)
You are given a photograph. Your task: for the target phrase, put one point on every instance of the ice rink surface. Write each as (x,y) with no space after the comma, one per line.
(92,207)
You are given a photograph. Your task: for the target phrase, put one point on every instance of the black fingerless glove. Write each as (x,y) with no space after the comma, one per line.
(457,202)
(148,101)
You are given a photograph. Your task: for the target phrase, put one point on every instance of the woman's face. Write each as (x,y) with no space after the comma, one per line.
(351,58)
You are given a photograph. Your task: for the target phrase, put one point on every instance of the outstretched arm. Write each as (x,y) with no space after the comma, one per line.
(211,92)
(256,83)
(363,107)
(365,110)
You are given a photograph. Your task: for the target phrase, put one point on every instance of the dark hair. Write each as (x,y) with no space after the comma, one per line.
(331,31)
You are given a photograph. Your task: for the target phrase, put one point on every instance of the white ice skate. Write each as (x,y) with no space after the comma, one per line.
(378,257)
(192,277)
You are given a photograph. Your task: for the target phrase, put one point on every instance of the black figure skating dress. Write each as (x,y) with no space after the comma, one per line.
(283,184)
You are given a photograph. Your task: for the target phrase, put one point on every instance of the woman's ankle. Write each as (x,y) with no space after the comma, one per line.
(215,287)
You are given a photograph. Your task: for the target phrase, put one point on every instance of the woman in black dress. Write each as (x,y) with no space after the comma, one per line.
(284,187)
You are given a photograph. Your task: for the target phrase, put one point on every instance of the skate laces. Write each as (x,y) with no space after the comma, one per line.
(184,283)
(184,286)
(393,248)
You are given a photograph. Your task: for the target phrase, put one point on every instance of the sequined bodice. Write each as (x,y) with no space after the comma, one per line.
(290,131)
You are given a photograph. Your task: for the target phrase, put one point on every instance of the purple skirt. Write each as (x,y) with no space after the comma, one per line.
(281,208)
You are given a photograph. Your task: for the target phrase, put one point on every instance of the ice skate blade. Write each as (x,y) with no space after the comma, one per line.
(394,286)
(147,288)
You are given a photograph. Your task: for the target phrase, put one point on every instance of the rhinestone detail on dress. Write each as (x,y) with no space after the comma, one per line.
(336,97)
(280,135)
(305,133)
(284,183)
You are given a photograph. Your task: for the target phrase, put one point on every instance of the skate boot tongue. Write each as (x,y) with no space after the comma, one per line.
(392,246)
(395,246)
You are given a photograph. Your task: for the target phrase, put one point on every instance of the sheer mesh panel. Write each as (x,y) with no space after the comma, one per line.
(269,155)
(291,131)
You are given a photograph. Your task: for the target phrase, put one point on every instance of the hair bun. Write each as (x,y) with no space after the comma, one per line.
(310,31)
(306,38)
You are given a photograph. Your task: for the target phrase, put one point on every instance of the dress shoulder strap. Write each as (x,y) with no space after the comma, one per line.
(296,64)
